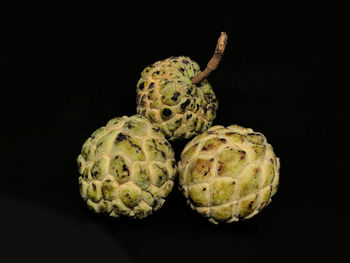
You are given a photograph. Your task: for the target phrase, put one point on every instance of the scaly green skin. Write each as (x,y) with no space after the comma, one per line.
(127,168)
(166,95)
(229,173)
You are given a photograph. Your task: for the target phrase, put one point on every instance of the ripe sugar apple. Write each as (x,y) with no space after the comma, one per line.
(175,94)
(127,168)
(229,173)
(166,95)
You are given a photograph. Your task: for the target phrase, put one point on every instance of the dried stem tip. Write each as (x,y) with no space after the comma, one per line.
(214,61)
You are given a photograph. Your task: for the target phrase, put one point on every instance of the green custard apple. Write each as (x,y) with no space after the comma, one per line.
(175,94)
(127,168)
(166,95)
(228,174)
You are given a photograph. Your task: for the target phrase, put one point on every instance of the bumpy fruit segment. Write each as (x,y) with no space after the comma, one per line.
(229,174)
(127,168)
(166,96)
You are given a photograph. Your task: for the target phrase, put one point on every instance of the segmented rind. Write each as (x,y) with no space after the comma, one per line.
(166,96)
(228,174)
(127,168)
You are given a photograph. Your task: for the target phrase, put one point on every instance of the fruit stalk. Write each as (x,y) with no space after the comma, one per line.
(214,61)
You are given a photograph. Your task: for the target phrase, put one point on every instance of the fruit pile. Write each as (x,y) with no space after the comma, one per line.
(128,167)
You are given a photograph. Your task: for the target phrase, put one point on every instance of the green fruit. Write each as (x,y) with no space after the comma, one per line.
(228,174)
(166,95)
(127,168)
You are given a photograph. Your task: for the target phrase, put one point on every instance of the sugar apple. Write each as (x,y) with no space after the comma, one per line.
(228,174)
(127,168)
(175,94)
(166,95)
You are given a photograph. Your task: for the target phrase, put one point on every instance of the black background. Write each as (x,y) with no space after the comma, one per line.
(65,71)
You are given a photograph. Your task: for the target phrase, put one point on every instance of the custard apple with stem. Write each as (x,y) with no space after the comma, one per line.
(175,94)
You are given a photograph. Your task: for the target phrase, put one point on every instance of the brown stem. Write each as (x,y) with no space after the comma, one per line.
(214,61)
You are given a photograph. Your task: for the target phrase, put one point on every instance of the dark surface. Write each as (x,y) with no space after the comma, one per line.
(66,73)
